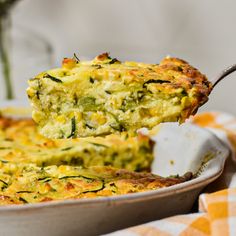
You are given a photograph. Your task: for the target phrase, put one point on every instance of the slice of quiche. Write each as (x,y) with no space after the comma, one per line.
(31,184)
(20,142)
(104,96)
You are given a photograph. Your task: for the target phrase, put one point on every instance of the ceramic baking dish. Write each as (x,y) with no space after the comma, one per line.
(178,149)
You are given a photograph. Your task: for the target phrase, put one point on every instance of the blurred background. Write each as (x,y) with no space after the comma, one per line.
(201,32)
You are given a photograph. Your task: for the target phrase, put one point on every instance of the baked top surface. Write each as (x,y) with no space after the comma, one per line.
(31,184)
(20,142)
(36,169)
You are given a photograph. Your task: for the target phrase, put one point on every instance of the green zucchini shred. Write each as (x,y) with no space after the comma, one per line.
(73,128)
(52,78)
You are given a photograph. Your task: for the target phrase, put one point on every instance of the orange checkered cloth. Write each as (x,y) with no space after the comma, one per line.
(217,208)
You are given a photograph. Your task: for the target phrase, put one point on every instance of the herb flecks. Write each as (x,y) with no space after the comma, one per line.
(73,128)
(108,92)
(91,80)
(89,126)
(66,149)
(155,81)
(99,145)
(96,190)
(4,161)
(97,66)
(45,179)
(24,191)
(77,176)
(113,61)
(52,78)
(22,200)
(5,183)
(117,127)
(76,58)
(37,94)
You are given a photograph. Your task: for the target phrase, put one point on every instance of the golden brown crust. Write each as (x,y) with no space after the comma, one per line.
(191,77)
(31,184)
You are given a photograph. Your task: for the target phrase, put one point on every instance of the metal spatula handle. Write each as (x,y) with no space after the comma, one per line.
(223,74)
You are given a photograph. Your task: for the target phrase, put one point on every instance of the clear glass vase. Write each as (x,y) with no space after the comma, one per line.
(23,54)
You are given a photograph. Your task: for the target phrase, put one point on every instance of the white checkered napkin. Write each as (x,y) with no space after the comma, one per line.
(217,217)
(194,224)
(221,211)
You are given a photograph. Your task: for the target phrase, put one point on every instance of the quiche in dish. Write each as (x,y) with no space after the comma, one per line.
(31,184)
(37,169)
(104,96)
(20,142)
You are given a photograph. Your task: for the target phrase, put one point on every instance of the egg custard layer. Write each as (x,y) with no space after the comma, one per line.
(32,184)
(104,96)
(20,142)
